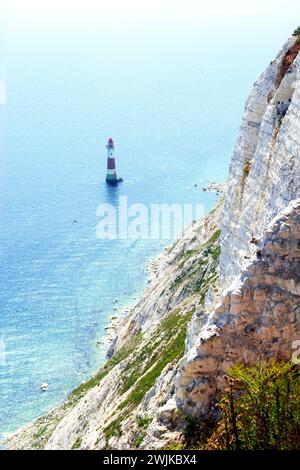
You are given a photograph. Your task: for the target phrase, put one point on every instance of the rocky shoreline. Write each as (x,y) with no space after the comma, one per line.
(218,188)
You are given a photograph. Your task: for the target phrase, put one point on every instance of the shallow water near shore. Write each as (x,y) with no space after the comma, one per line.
(173,109)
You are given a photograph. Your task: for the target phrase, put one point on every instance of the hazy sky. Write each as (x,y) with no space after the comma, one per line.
(26,14)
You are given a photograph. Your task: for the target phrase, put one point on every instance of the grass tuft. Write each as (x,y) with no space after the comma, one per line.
(77,443)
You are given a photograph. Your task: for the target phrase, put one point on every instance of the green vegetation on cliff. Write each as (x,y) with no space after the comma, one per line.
(297,31)
(120,355)
(167,343)
(165,347)
(201,275)
(259,410)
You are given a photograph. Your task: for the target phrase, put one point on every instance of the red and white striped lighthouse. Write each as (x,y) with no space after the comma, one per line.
(111,175)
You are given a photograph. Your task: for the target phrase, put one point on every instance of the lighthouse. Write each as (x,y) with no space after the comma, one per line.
(111,175)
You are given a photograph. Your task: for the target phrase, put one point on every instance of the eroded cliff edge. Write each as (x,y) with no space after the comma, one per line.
(199,316)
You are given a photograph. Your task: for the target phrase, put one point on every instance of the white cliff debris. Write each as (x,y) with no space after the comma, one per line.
(218,188)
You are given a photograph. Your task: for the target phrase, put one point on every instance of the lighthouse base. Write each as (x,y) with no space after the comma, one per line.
(114,182)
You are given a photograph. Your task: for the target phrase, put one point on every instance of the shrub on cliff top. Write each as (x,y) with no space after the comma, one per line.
(297,31)
(260,409)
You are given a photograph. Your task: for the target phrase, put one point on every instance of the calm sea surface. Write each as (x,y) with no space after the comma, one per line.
(173,103)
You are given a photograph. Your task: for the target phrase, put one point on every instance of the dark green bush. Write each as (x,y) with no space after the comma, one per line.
(297,31)
(197,430)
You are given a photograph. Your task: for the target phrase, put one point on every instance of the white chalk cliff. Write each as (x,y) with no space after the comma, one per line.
(264,172)
(228,291)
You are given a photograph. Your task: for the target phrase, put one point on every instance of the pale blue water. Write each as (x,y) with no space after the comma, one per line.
(173,103)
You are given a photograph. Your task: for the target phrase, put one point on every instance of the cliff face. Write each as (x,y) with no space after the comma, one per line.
(258,315)
(198,316)
(257,319)
(265,168)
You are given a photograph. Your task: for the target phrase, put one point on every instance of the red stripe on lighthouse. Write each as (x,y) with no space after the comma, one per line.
(111,165)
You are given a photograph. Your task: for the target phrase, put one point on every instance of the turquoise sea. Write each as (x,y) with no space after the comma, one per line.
(172,100)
